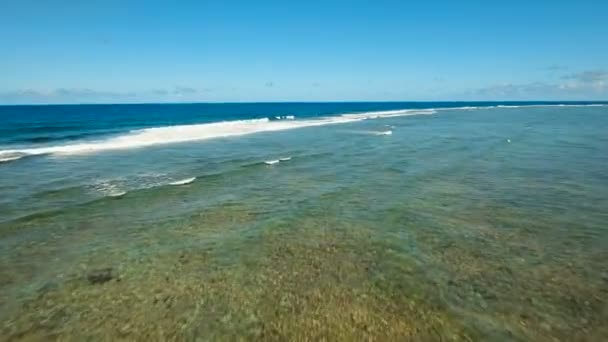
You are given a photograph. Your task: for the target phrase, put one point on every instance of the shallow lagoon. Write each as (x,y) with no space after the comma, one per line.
(443,230)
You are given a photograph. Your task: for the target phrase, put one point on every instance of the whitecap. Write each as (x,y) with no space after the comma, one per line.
(117,187)
(184,133)
(8,157)
(109,189)
(389,113)
(389,132)
(271,162)
(117,194)
(183,181)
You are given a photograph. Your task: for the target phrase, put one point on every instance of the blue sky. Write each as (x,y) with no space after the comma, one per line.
(178,51)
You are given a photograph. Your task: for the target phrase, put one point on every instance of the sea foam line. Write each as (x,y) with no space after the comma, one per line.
(184,133)
(8,157)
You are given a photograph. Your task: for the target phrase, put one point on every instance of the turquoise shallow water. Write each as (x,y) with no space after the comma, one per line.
(466,224)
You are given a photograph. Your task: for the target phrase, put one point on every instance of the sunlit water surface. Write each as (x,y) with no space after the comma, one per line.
(483,224)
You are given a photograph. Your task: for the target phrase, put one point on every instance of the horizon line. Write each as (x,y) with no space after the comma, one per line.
(296,102)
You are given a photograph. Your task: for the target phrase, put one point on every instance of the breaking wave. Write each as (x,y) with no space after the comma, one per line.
(184,133)
(194,132)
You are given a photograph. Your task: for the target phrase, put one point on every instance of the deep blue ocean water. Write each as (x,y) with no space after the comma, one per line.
(448,220)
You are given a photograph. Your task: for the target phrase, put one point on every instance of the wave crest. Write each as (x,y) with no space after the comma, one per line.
(184,133)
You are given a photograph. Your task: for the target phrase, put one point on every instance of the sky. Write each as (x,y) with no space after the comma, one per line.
(125,51)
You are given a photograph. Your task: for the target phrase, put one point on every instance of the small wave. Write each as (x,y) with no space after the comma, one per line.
(508,106)
(271,162)
(389,114)
(183,181)
(520,106)
(389,132)
(109,189)
(117,194)
(118,186)
(11,156)
(464,108)
(252,164)
(276,161)
(285,117)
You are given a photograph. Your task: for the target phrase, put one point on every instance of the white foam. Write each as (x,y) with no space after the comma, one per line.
(117,194)
(468,108)
(271,162)
(520,106)
(286,117)
(285,159)
(388,114)
(389,132)
(183,181)
(184,133)
(8,157)
(176,134)
(109,189)
(119,186)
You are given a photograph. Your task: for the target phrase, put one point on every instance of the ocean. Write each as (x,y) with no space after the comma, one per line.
(294,221)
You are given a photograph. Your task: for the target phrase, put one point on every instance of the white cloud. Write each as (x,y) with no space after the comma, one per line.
(556,67)
(586,85)
(182,91)
(86,95)
(63,95)
(590,76)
